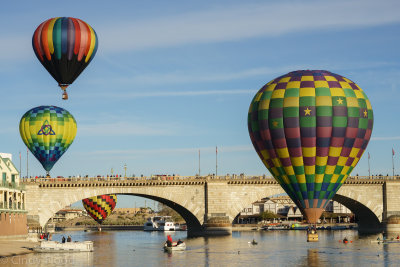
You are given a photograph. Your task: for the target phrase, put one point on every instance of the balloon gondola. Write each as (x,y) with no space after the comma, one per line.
(100,207)
(47,131)
(310,129)
(64,46)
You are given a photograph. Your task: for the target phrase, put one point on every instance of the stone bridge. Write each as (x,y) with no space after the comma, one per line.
(202,202)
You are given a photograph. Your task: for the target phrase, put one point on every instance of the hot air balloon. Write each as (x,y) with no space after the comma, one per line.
(99,207)
(64,46)
(47,131)
(310,129)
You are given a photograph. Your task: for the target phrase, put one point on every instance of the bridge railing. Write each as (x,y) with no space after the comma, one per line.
(12,185)
(144,178)
(179,178)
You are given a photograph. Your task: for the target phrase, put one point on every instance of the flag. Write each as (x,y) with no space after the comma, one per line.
(216,150)
(392,151)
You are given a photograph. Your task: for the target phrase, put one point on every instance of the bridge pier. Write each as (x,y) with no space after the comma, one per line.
(391,208)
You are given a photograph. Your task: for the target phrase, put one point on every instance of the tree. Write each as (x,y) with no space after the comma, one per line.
(266,215)
(164,210)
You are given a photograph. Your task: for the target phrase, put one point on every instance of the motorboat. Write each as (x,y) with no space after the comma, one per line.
(175,247)
(54,246)
(159,223)
(278,227)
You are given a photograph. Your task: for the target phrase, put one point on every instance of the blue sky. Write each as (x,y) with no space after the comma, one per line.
(172,77)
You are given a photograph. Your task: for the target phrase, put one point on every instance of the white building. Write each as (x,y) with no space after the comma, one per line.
(13,220)
(283,206)
(336,207)
(67,214)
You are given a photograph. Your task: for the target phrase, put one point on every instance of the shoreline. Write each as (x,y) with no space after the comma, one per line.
(10,248)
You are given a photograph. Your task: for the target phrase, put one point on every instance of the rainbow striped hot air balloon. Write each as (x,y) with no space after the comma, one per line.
(99,207)
(64,46)
(310,129)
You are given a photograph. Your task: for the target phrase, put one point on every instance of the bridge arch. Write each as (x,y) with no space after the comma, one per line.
(51,201)
(367,210)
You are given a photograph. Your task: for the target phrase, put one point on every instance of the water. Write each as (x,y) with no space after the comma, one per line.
(275,248)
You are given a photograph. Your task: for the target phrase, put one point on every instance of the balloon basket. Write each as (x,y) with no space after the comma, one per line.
(312,237)
(65,96)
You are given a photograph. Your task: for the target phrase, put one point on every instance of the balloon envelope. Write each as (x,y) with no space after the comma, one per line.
(310,129)
(99,207)
(47,131)
(64,46)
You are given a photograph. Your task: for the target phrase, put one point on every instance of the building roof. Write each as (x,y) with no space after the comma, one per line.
(9,164)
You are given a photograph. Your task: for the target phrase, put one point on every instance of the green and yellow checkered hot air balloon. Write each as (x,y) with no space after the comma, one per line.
(47,131)
(310,129)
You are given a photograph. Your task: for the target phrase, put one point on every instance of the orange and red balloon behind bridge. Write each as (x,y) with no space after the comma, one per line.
(100,207)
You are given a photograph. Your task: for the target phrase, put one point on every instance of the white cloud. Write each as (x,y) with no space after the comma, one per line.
(387,138)
(15,47)
(128,128)
(172,150)
(246,21)
(226,24)
(186,77)
(130,95)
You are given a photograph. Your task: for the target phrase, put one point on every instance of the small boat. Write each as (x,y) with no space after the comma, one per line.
(278,227)
(175,247)
(254,242)
(54,246)
(385,241)
(312,236)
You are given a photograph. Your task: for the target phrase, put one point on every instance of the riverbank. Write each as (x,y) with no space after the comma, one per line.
(10,248)
(334,226)
(103,227)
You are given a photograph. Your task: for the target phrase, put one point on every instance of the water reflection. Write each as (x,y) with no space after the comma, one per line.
(50,259)
(274,248)
(313,258)
(105,247)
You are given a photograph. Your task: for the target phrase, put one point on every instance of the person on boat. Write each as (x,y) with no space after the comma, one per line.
(63,239)
(398,237)
(169,241)
(69,239)
(345,240)
(179,242)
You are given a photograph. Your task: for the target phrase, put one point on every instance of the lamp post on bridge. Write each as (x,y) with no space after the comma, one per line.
(125,169)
